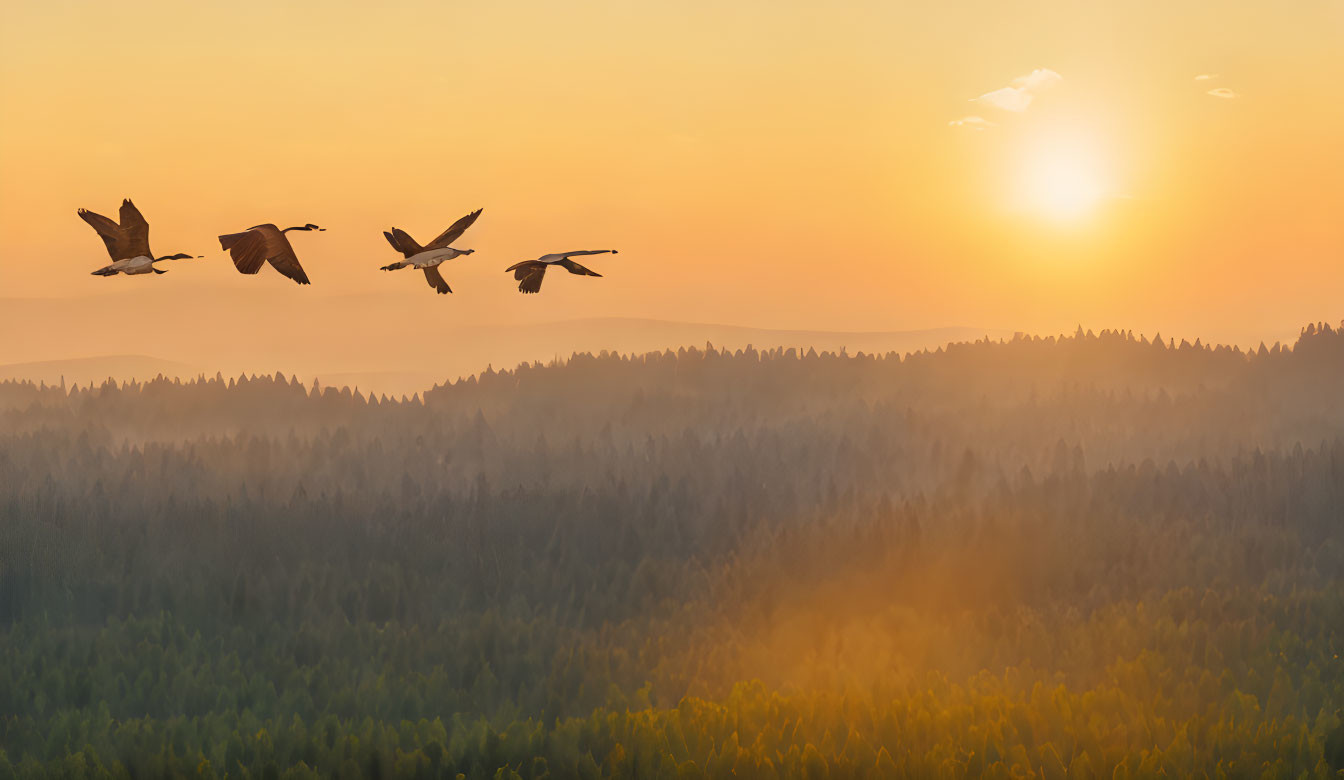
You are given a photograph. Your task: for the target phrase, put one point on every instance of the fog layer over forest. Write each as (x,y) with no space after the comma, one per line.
(1090,556)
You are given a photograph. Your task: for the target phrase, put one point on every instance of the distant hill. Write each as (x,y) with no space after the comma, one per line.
(643,335)
(507,346)
(407,365)
(88,370)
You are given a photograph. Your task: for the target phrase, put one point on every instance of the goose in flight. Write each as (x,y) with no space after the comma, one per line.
(263,244)
(529,273)
(428,258)
(127,243)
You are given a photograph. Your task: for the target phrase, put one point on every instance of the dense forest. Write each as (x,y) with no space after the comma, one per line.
(1088,556)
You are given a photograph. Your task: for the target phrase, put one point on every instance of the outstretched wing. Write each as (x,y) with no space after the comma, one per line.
(558,256)
(529,275)
(135,228)
(575,268)
(455,231)
(108,231)
(283,259)
(403,243)
(436,281)
(248,250)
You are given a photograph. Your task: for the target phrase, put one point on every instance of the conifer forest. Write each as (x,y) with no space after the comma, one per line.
(1095,556)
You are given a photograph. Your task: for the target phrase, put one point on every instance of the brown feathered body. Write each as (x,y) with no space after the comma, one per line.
(263,244)
(530,273)
(428,258)
(127,241)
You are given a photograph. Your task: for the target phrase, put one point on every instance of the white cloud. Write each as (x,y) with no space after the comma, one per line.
(1037,80)
(971,123)
(1018,96)
(1206,77)
(1224,93)
(1008,99)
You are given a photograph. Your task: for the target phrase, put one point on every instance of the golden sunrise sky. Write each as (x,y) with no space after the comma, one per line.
(777,164)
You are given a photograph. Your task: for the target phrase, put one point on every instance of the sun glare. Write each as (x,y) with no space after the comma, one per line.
(1062,180)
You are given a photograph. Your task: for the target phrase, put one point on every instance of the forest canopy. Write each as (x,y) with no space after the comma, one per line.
(1094,556)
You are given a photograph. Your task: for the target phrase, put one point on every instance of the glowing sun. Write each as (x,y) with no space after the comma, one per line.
(1062,179)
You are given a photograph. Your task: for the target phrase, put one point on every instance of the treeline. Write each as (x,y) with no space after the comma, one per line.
(1092,556)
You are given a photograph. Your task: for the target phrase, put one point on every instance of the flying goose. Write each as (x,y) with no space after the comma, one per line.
(127,243)
(261,244)
(529,273)
(429,257)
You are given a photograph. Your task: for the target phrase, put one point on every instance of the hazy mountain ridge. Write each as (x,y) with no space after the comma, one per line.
(474,348)
(88,370)
(1190,390)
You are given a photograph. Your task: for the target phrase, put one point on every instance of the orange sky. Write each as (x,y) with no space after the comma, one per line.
(760,163)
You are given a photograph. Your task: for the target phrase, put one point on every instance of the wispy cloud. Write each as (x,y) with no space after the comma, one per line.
(972,122)
(1022,91)
(1008,99)
(1206,77)
(1224,93)
(1037,80)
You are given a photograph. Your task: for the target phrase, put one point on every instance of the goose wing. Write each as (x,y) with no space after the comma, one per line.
(248,250)
(392,239)
(436,281)
(575,268)
(108,231)
(529,274)
(135,228)
(455,231)
(281,256)
(403,242)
